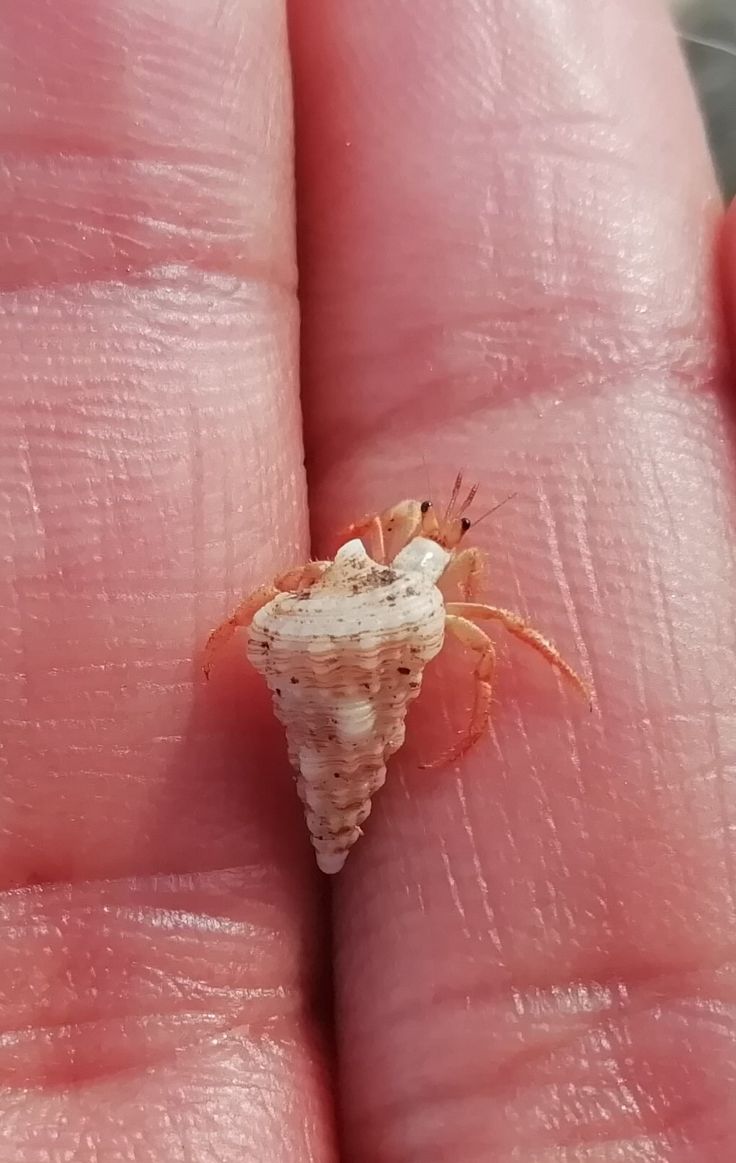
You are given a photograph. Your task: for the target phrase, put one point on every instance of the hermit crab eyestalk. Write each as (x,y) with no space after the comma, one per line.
(448,528)
(452,530)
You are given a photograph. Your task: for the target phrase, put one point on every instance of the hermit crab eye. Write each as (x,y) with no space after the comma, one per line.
(425,506)
(465,524)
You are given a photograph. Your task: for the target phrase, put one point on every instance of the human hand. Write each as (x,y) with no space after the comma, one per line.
(507,223)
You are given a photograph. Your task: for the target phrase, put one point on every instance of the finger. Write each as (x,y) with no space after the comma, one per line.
(151,473)
(536,248)
(515,277)
(151,423)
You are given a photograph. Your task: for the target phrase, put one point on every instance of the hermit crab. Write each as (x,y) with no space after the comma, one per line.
(343,644)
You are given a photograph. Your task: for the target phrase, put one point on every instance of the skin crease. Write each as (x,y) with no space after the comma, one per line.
(507,231)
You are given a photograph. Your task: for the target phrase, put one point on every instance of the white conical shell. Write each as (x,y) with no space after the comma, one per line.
(343,659)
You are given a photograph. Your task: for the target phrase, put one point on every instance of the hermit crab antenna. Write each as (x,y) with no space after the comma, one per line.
(495,508)
(468,501)
(454,495)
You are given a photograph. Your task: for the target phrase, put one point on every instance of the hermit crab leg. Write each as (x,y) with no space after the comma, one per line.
(526,633)
(241,617)
(475,639)
(295,579)
(301,577)
(371,526)
(395,528)
(463,574)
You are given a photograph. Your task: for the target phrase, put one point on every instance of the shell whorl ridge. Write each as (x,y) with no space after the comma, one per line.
(344,659)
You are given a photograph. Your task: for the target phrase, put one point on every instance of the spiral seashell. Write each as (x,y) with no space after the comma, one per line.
(343,659)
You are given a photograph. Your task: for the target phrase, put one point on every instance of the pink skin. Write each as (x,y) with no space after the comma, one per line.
(507,224)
